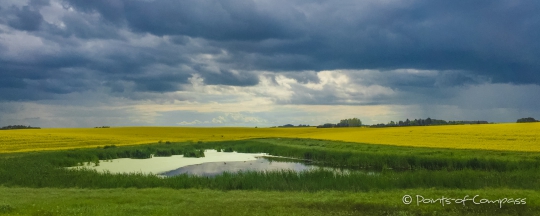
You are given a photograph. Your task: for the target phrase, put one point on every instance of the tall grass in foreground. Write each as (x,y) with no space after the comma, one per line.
(442,169)
(315,180)
(378,157)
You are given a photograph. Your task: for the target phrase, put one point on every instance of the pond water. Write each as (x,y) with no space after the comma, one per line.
(260,164)
(214,163)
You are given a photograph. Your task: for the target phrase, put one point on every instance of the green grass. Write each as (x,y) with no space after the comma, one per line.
(454,172)
(378,157)
(162,201)
(197,153)
(401,150)
(387,173)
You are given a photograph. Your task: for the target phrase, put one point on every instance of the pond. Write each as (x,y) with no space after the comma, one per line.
(214,163)
(260,164)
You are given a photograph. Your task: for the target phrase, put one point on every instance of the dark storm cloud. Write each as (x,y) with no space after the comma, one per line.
(112,10)
(494,38)
(218,20)
(418,86)
(159,83)
(463,42)
(156,86)
(10,82)
(26,94)
(408,78)
(227,77)
(26,19)
(85,27)
(39,3)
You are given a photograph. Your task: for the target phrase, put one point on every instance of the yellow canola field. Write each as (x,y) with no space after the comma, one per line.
(514,137)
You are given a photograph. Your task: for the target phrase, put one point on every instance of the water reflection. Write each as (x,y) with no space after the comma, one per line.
(157,165)
(214,163)
(261,164)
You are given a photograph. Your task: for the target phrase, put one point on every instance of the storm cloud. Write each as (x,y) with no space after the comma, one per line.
(273,58)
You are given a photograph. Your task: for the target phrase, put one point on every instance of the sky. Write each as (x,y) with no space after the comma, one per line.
(73,63)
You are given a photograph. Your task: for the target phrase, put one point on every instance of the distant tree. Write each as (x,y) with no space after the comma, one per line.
(355,122)
(352,122)
(525,120)
(343,123)
(327,125)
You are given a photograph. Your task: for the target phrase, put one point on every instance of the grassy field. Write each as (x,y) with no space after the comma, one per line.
(512,136)
(398,167)
(162,201)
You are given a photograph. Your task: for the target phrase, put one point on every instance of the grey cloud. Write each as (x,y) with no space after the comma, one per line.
(374,87)
(523,97)
(136,47)
(11,82)
(17,94)
(459,78)
(182,40)
(227,77)
(221,20)
(26,19)
(39,3)
(156,86)
(303,77)
(112,10)
(401,79)
(423,35)
(85,27)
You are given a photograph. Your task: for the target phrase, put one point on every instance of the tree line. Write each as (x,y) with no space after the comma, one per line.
(528,119)
(11,127)
(291,125)
(352,122)
(355,122)
(426,122)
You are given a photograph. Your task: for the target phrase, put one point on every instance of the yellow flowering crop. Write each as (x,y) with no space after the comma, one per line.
(514,137)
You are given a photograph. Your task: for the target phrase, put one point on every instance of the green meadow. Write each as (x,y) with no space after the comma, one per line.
(37,183)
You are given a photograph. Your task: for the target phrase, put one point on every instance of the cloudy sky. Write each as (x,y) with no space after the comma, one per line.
(75,63)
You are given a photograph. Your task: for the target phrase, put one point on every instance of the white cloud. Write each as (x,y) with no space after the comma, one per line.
(235,118)
(194,122)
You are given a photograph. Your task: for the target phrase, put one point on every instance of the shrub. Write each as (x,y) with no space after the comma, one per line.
(197,153)
(107,146)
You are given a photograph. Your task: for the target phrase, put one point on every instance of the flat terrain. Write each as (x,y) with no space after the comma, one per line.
(162,201)
(494,161)
(511,136)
